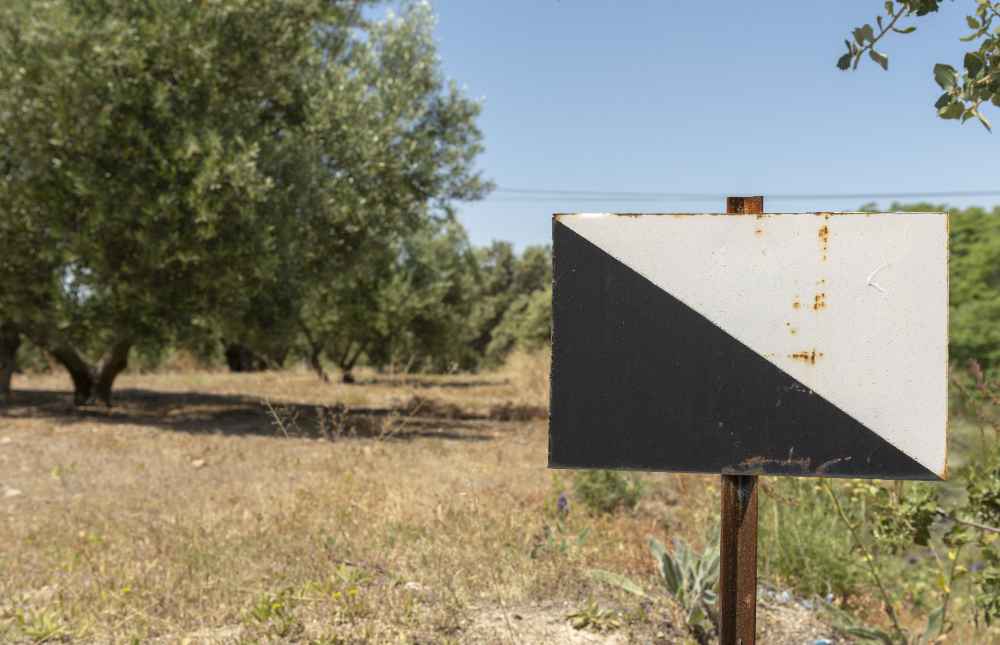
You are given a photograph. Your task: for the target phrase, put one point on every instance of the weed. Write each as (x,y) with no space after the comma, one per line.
(273,614)
(605,491)
(283,418)
(558,538)
(688,576)
(592,617)
(42,626)
(691,577)
(803,543)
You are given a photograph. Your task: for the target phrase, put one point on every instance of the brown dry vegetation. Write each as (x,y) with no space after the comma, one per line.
(210,507)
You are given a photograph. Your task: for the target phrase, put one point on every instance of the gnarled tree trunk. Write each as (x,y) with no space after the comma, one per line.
(90,381)
(10,341)
(79,370)
(315,352)
(347,362)
(113,364)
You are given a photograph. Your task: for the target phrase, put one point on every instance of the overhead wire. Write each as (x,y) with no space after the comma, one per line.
(537,195)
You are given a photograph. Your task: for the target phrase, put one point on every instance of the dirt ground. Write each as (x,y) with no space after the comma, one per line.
(213,507)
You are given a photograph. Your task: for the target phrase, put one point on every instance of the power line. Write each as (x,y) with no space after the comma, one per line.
(506,194)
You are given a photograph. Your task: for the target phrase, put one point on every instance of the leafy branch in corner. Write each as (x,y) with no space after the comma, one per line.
(964,92)
(865,38)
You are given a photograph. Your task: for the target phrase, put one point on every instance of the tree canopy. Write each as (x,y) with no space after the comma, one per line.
(172,167)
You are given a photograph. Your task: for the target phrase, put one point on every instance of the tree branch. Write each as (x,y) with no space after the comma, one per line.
(869,558)
(903,10)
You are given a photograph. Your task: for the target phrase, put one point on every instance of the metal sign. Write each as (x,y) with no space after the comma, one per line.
(774,344)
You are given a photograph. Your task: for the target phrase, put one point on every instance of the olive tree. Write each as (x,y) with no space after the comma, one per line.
(138,135)
(393,163)
(209,164)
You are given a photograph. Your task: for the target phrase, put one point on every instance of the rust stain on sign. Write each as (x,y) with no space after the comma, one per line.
(757,464)
(819,301)
(807,356)
(824,239)
(795,303)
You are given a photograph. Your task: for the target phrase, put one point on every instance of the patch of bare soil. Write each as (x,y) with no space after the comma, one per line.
(792,624)
(534,626)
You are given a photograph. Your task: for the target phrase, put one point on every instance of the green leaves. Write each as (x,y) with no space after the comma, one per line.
(864,34)
(907,520)
(617,580)
(973,63)
(969,90)
(690,577)
(951,110)
(945,76)
(865,38)
(879,58)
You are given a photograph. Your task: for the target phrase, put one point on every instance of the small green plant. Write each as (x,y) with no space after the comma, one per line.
(691,577)
(273,614)
(592,617)
(42,626)
(605,491)
(559,538)
(688,576)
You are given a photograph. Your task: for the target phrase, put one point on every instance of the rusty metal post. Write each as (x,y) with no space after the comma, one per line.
(738,561)
(745,205)
(738,530)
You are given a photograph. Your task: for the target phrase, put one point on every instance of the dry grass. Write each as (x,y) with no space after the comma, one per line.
(528,373)
(397,510)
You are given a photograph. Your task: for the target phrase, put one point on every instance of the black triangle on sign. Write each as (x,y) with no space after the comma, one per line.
(642,381)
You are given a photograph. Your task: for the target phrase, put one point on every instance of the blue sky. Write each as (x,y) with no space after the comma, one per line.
(709,98)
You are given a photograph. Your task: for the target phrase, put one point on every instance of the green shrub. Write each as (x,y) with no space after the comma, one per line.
(975,286)
(803,544)
(605,491)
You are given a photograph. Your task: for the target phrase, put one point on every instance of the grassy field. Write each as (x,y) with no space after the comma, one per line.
(216,507)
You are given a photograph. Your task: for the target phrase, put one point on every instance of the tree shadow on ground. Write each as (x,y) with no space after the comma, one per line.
(235,414)
(415,381)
